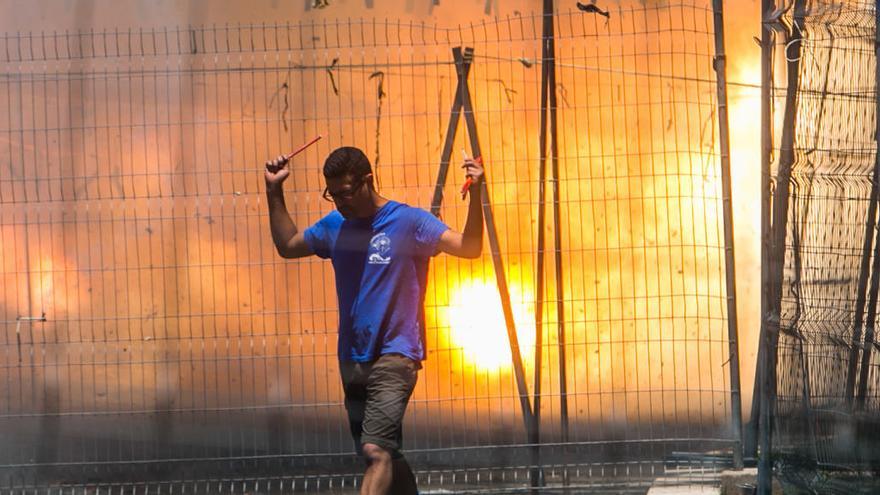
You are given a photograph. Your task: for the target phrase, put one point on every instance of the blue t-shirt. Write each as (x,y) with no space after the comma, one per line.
(381,266)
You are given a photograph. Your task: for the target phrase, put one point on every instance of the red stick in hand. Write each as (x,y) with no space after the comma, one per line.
(465,187)
(298,150)
(469,181)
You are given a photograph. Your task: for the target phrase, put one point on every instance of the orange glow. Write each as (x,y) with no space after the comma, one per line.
(195,278)
(745,139)
(476,323)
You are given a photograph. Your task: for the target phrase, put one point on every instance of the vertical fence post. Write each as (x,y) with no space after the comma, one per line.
(540,275)
(720,64)
(772,319)
(550,59)
(767,39)
(548,103)
(549,44)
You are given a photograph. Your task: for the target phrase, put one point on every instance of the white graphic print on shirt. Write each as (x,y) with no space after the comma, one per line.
(380,246)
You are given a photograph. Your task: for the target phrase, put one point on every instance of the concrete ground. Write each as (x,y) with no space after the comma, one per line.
(724,483)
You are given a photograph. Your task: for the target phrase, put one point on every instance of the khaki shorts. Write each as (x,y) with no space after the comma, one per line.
(376,395)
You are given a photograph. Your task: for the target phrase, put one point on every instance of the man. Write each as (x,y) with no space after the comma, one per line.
(380,251)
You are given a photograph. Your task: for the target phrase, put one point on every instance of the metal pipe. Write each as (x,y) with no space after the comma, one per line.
(750,440)
(462,69)
(540,273)
(777,250)
(497,261)
(550,43)
(720,64)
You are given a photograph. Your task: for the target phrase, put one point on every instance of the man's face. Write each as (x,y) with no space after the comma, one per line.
(350,194)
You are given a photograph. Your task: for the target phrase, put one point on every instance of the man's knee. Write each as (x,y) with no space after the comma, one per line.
(374,453)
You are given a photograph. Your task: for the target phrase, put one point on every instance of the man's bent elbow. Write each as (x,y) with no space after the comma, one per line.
(280,250)
(473,252)
(284,250)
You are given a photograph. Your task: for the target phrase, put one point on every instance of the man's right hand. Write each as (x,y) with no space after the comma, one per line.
(276,171)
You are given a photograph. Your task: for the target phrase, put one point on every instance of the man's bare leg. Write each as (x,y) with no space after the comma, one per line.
(377,478)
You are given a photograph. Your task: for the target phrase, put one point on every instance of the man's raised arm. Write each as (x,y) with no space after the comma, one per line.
(469,242)
(289,242)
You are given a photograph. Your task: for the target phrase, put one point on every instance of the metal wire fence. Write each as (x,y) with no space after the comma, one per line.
(823,266)
(150,332)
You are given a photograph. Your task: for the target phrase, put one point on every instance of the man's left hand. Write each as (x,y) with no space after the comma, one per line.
(473,170)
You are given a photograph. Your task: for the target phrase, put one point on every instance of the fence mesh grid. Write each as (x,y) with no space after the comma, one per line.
(818,423)
(177,345)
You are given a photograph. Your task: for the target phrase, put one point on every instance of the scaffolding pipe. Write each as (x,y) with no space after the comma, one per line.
(720,64)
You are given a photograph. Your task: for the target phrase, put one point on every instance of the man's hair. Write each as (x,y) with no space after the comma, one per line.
(347,161)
